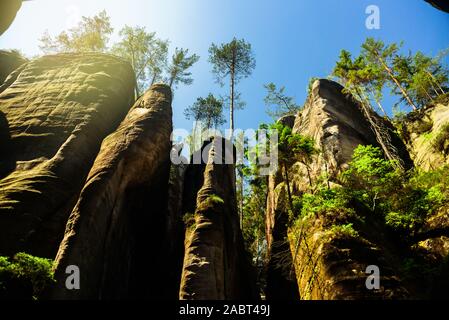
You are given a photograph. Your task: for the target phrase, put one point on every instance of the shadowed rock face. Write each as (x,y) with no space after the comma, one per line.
(114,232)
(215,262)
(9,61)
(329,267)
(281,282)
(8,11)
(440,4)
(54,115)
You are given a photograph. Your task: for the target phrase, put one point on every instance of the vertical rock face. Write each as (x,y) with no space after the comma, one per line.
(114,231)
(8,11)
(88,180)
(281,281)
(337,124)
(215,262)
(9,61)
(427,137)
(332,267)
(53,117)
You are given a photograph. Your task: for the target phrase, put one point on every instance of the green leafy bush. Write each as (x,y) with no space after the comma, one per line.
(370,177)
(324,201)
(24,277)
(404,199)
(345,230)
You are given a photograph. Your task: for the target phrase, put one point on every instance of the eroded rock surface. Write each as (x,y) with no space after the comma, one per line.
(326,265)
(215,263)
(53,117)
(9,61)
(8,11)
(422,133)
(114,232)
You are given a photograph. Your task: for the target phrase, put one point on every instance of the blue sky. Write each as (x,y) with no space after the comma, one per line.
(293,40)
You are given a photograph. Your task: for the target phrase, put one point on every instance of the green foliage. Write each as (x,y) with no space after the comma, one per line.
(404,199)
(345,230)
(236,61)
(324,201)
(214,199)
(145,52)
(278,103)
(418,80)
(209,110)
(189,220)
(293,147)
(91,35)
(178,70)
(254,206)
(370,176)
(310,85)
(25,272)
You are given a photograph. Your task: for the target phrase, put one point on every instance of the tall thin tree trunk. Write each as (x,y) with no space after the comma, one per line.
(398,84)
(289,193)
(241,199)
(326,166)
(383,141)
(153,79)
(309,176)
(436,82)
(427,93)
(379,104)
(231,119)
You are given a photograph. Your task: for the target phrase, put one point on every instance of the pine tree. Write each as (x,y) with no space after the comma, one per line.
(382,56)
(146,53)
(234,60)
(178,69)
(278,103)
(208,110)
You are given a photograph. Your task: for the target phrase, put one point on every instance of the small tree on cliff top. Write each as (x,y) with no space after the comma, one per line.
(278,103)
(178,70)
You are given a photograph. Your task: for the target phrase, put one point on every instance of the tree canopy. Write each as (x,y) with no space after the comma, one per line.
(234,60)
(90,35)
(209,110)
(146,53)
(178,70)
(278,103)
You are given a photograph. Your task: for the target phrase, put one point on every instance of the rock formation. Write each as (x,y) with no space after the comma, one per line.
(54,114)
(329,267)
(439,4)
(281,281)
(9,61)
(112,231)
(86,179)
(215,262)
(421,133)
(8,11)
